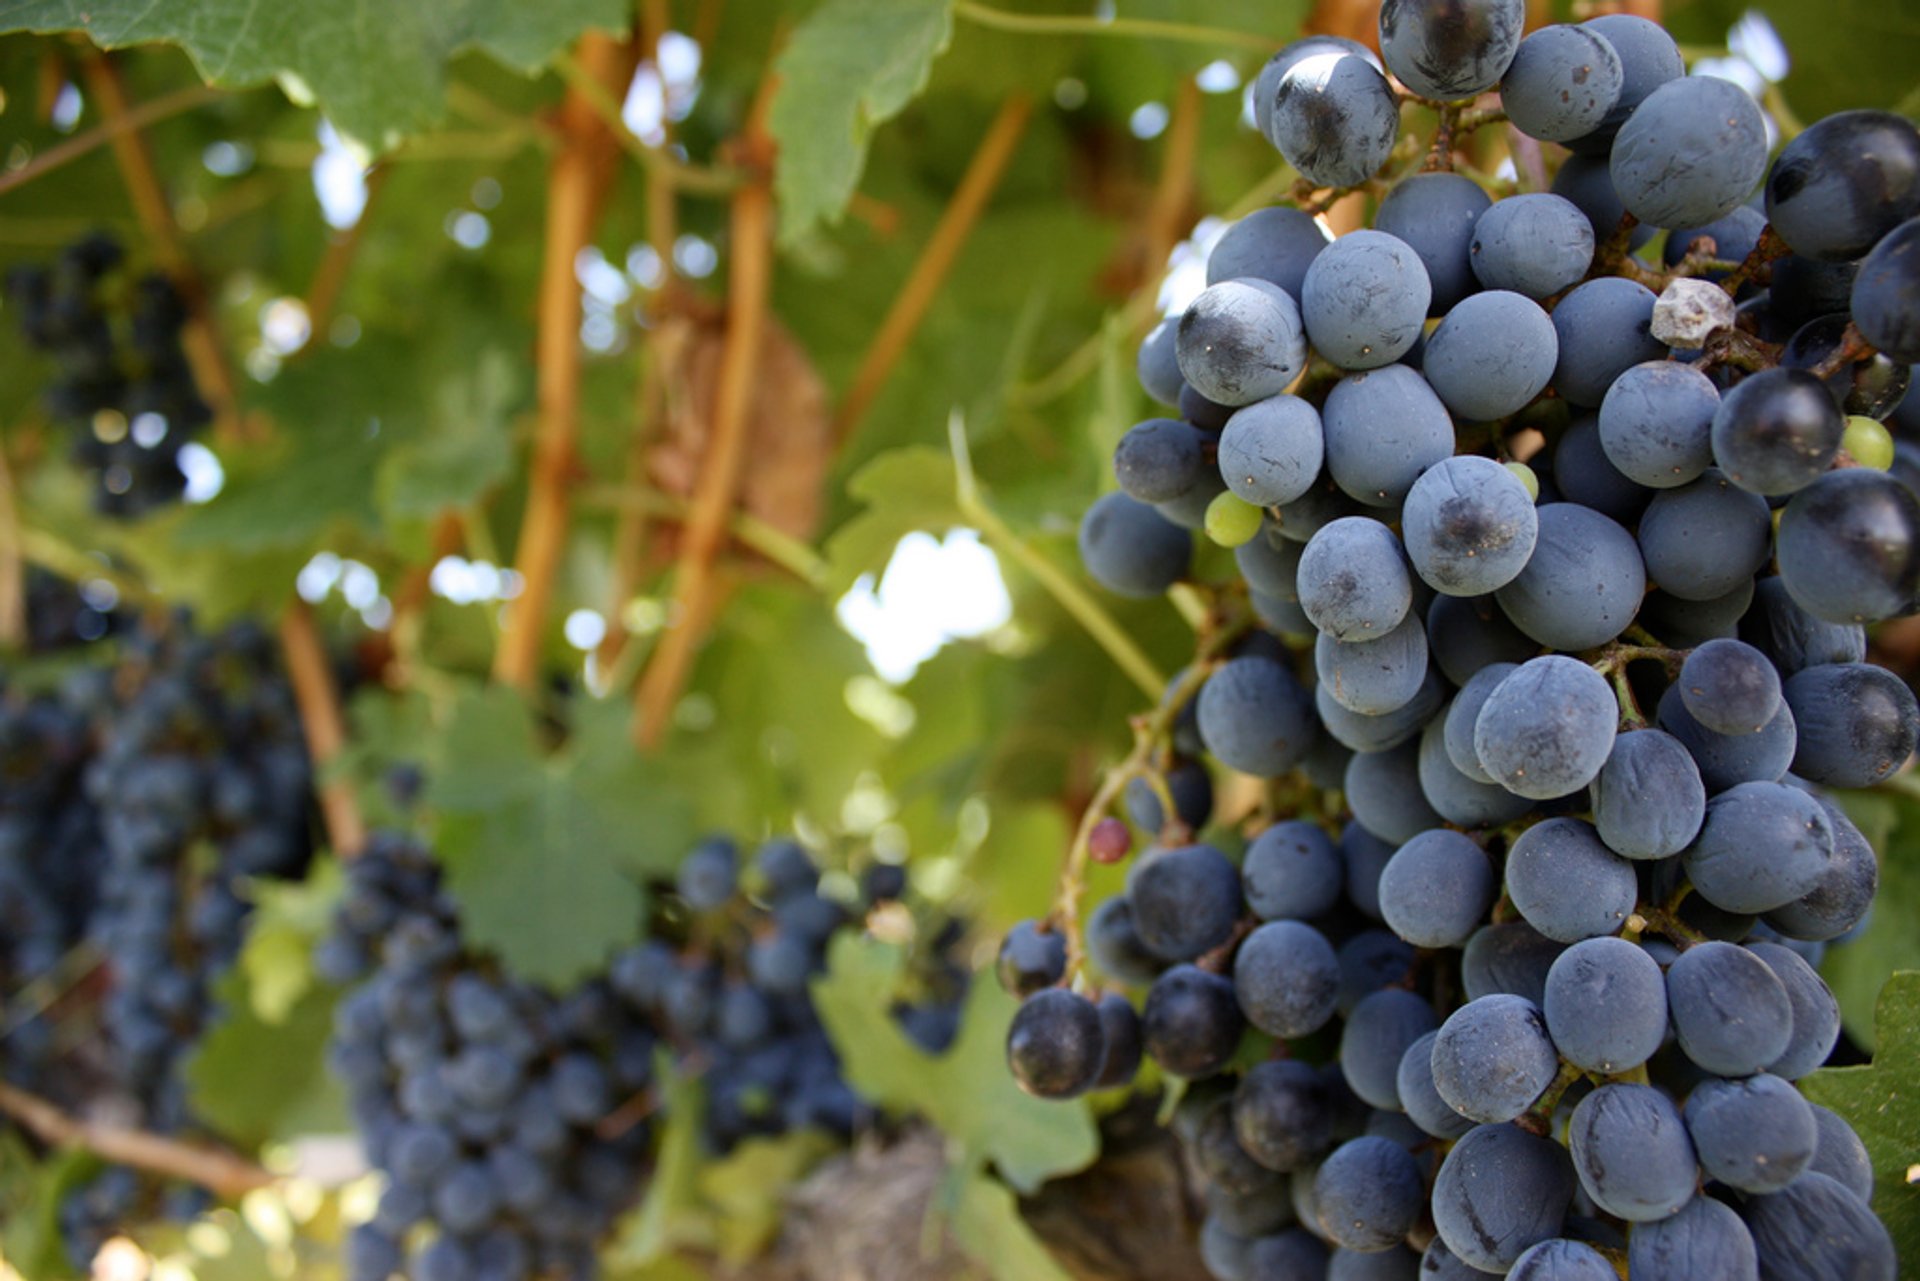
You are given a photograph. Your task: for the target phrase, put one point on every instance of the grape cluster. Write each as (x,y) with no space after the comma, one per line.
(513,1123)
(122,382)
(1558,561)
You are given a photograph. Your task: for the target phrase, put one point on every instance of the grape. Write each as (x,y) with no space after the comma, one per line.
(1804,289)
(1366,855)
(1547,728)
(1733,237)
(1839,1154)
(1109,842)
(1191,1024)
(1562,83)
(1276,244)
(1857,724)
(1776,431)
(1200,412)
(1705,1241)
(1130,549)
(1334,118)
(1763,845)
(1383,790)
(1845,182)
(1192,790)
(1585,475)
(1631,1151)
(1222,1252)
(1281,1116)
(1438,1263)
(1241,341)
(1886,294)
(1604,329)
(1586,181)
(1656,423)
(1217,1150)
(1301,518)
(1648,800)
(1291,870)
(1583,583)
(1567,884)
(1364,300)
(1512,957)
(1450,50)
(1285,1256)
(1375,733)
(1463,712)
(1493,1058)
(1369,961)
(1158,460)
(1535,244)
(1286,977)
(1436,888)
(1456,797)
(1685,623)
(1251,1214)
(1157,365)
(1562,1260)
(1813,1229)
(1031,958)
(1375,1038)
(1606,1005)
(1725,760)
(1383,428)
(1232,521)
(1691,152)
(1271,451)
(1114,946)
(1840,899)
(1868,443)
(1849,547)
(1419,1096)
(1816,1014)
(1755,1134)
(1729,687)
(1866,386)
(1055,1045)
(1254,717)
(1469,524)
(1491,355)
(1185,901)
(786,868)
(1374,677)
(1468,634)
(1120,1035)
(1730,1013)
(1500,1191)
(1435,214)
(1369,1193)
(1648,59)
(1397,1263)
(1353,579)
(1189,510)
(1270,563)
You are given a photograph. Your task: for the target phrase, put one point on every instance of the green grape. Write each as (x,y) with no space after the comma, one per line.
(1527,478)
(1868,441)
(1232,520)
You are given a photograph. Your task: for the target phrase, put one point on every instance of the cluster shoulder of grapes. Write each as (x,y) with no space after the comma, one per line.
(513,1124)
(1559,543)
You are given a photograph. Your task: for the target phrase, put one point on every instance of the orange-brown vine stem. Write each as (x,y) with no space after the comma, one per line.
(330,277)
(220,1172)
(749,283)
(13,563)
(923,283)
(574,189)
(324,725)
(1167,217)
(212,375)
(62,154)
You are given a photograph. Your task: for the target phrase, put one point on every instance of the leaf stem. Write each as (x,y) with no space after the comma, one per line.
(152,112)
(219,1171)
(1069,595)
(783,549)
(1073,24)
(936,259)
(590,90)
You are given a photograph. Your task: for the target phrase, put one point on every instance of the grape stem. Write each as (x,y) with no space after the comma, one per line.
(1538,1119)
(1765,250)
(1853,349)
(223,1173)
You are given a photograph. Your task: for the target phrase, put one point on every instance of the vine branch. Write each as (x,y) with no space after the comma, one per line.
(592,92)
(153,112)
(221,1172)
(13,568)
(922,284)
(575,185)
(1086,25)
(318,699)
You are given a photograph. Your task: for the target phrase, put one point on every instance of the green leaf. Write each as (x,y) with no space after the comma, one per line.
(852,65)
(988,1226)
(378,71)
(249,1105)
(967,1092)
(663,1222)
(1882,1103)
(1856,972)
(466,451)
(745,1192)
(545,852)
(905,490)
(31,1191)
(277,958)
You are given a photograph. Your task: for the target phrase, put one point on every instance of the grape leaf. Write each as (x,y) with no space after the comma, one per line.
(745,1190)
(377,71)
(1891,940)
(988,1226)
(31,1191)
(662,1222)
(905,490)
(852,65)
(232,1093)
(967,1092)
(288,919)
(543,852)
(1881,1101)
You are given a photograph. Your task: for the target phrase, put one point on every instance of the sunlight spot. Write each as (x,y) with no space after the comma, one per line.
(1149,120)
(931,592)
